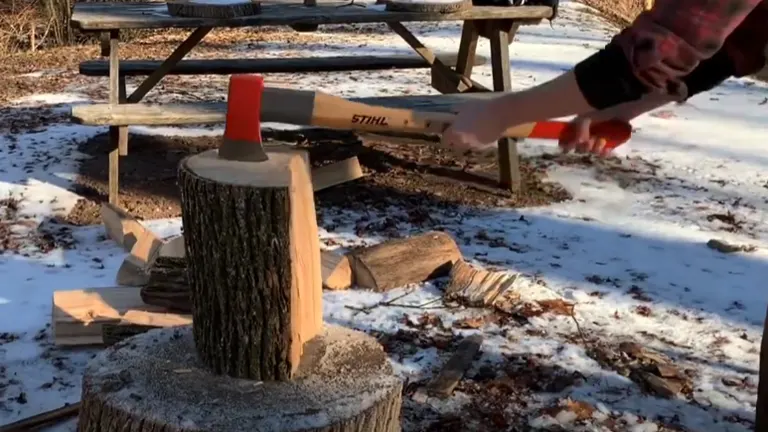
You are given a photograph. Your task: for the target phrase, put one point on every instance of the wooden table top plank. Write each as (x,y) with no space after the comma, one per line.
(116,16)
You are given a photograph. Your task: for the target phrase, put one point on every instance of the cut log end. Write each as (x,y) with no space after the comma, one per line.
(253,261)
(154,381)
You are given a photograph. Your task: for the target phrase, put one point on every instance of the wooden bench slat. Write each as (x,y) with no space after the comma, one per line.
(211,112)
(270,65)
(99,16)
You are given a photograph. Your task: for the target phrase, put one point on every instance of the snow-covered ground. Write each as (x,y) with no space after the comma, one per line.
(629,249)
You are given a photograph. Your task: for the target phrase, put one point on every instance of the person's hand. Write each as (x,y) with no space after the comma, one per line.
(477,126)
(578,138)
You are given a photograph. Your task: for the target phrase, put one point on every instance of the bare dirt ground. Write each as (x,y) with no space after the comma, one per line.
(399,171)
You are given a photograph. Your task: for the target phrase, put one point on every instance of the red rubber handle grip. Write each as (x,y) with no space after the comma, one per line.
(614,132)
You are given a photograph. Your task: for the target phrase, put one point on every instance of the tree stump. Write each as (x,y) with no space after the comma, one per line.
(253,261)
(156,382)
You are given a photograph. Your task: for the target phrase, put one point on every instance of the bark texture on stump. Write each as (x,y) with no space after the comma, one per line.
(155,382)
(253,261)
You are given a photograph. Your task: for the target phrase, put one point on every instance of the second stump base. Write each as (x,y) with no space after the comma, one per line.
(155,381)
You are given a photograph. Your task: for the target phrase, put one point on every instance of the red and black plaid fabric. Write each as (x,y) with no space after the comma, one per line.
(668,42)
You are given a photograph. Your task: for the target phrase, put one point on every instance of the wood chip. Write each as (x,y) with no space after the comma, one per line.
(443,384)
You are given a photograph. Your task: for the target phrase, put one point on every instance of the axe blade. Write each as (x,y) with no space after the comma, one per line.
(242,130)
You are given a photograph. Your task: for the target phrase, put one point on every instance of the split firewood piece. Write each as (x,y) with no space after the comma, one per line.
(443,383)
(481,288)
(337,273)
(167,284)
(336,173)
(396,263)
(78,316)
(172,248)
(121,226)
(135,268)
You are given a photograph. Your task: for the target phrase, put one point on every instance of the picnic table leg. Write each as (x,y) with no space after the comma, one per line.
(444,79)
(467,49)
(173,59)
(501,34)
(118,135)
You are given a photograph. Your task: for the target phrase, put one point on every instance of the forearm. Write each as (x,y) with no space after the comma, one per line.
(556,98)
(583,91)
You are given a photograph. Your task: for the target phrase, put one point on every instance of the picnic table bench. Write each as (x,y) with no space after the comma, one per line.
(450,74)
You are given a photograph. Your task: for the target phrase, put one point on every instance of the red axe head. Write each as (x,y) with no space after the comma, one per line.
(242,130)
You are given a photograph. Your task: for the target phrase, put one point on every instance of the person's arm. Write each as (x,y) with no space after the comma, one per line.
(653,56)
(707,75)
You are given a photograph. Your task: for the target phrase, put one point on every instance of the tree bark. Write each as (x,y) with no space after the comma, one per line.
(253,261)
(400,262)
(155,382)
(168,285)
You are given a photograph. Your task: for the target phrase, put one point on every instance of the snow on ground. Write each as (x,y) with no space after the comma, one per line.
(629,249)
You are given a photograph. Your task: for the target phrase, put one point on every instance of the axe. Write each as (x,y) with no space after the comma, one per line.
(249,103)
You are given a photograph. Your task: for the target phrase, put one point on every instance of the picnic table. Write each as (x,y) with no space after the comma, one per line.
(449,76)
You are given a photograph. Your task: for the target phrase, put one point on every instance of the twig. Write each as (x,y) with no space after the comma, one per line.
(578,327)
(368,309)
(423,305)
(42,419)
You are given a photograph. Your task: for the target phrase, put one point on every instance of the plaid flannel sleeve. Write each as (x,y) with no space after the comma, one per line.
(667,42)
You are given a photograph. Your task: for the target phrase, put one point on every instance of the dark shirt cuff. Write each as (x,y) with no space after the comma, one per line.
(606,79)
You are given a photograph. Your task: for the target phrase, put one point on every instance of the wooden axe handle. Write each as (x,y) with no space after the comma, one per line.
(321,109)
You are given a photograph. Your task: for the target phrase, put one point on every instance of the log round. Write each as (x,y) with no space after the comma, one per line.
(253,261)
(220,9)
(155,382)
(428,6)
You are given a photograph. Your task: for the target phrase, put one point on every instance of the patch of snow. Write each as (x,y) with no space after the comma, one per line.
(629,250)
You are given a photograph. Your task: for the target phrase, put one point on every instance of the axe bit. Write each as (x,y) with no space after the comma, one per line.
(242,130)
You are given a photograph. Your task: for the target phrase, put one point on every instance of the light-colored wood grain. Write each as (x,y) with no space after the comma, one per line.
(134,270)
(106,16)
(307,278)
(337,273)
(78,315)
(172,248)
(477,287)
(336,173)
(120,226)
